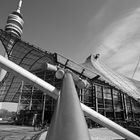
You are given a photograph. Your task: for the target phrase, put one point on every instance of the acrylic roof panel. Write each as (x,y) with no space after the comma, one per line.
(76,67)
(28,57)
(120,81)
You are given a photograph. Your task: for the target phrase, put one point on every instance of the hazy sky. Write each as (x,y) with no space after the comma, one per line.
(78,28)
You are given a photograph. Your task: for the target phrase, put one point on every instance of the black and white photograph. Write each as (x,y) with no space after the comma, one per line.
(69,69)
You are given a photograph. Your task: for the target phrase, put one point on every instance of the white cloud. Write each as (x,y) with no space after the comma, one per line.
(0,105)
(120,45)
(121,32)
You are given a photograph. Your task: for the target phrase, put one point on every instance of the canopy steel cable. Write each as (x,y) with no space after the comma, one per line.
(136,68)
(116,77)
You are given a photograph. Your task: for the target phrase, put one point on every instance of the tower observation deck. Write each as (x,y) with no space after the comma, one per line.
(15,22)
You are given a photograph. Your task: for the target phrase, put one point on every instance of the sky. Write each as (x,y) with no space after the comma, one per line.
(78,28)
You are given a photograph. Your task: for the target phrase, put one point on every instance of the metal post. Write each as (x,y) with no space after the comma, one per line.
(125,106)
(31,100)
(122,103)
(132,110)
(104,109)
(114,114)
(96,99)
(19,101)
(92,92)
(44,104)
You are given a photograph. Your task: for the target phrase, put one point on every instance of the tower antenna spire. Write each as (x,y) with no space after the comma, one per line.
(19,6)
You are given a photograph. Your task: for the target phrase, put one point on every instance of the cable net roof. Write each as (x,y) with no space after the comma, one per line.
(28,57)
(76,67)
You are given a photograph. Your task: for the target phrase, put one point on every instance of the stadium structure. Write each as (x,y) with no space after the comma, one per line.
(111,94)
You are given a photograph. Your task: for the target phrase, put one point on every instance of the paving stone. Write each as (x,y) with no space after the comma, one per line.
(11,132)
